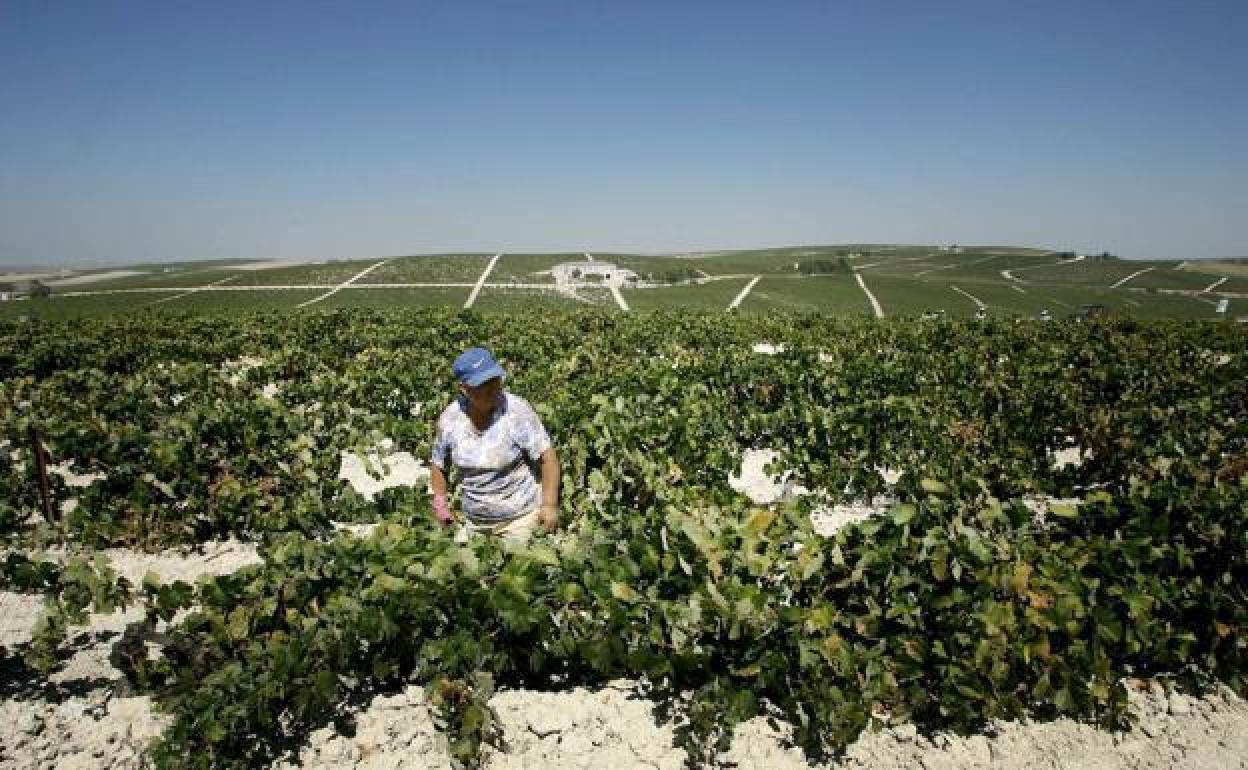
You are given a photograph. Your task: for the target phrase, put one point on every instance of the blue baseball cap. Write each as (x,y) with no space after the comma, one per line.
(474,366)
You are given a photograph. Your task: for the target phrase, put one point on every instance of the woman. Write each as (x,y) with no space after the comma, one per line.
(494,439)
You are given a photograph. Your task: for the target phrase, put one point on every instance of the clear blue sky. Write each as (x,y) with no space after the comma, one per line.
(160,131)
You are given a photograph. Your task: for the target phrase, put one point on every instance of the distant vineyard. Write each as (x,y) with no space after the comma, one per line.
(893,281)
(959,605)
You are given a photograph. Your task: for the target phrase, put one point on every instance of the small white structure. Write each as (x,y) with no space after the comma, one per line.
(768,349)
(595,273)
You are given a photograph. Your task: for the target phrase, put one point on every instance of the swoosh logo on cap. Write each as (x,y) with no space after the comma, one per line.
(477,365)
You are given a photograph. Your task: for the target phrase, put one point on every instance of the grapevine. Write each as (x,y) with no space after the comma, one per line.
(958,606)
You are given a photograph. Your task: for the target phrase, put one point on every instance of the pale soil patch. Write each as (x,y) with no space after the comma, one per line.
(394,469)
(1209,732)
(79,720)
(768,349)
(73,480)
(589,729)
(1214,267)
(890,475)
(17,617)
(17,611)
(613,727)
(1041,507)
(826,521)
(109,275)
(395,732)
(1070,457)
(1220,359)
(90,730)
(270,264)
(234,369)
(762,488)
(75,720)
(755,483)
(65,470)
(27,276)
(356,530)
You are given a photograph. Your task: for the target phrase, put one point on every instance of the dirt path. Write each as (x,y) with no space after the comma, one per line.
(189,292)
(1009,274)
(978,302)
(957,264)
(344,284)
(1129,277)
(875,304)
(619,298)
(481,281)
(736,302)
(1214,285)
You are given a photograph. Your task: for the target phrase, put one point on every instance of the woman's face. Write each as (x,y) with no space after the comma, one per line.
(484,396)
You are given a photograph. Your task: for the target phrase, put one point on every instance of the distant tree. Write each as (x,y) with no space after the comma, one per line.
(674,276)
(40,289)
(821,266)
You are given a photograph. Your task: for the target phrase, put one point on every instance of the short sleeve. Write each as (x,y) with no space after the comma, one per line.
(529,433)
(441,451)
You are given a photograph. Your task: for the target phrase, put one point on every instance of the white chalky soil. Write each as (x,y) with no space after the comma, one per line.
(613,727)
(394,469)
(81,719)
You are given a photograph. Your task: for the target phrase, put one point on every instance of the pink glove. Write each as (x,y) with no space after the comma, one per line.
(442,509)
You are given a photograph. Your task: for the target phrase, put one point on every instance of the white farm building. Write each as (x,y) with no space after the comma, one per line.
(595,273)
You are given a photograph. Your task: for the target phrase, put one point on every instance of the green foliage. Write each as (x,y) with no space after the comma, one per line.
(943,613)
(70,590)
(464,713)
(957,607)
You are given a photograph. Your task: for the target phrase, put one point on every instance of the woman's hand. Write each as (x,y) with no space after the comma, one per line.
(548,516)
(442,510)
(441,505)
